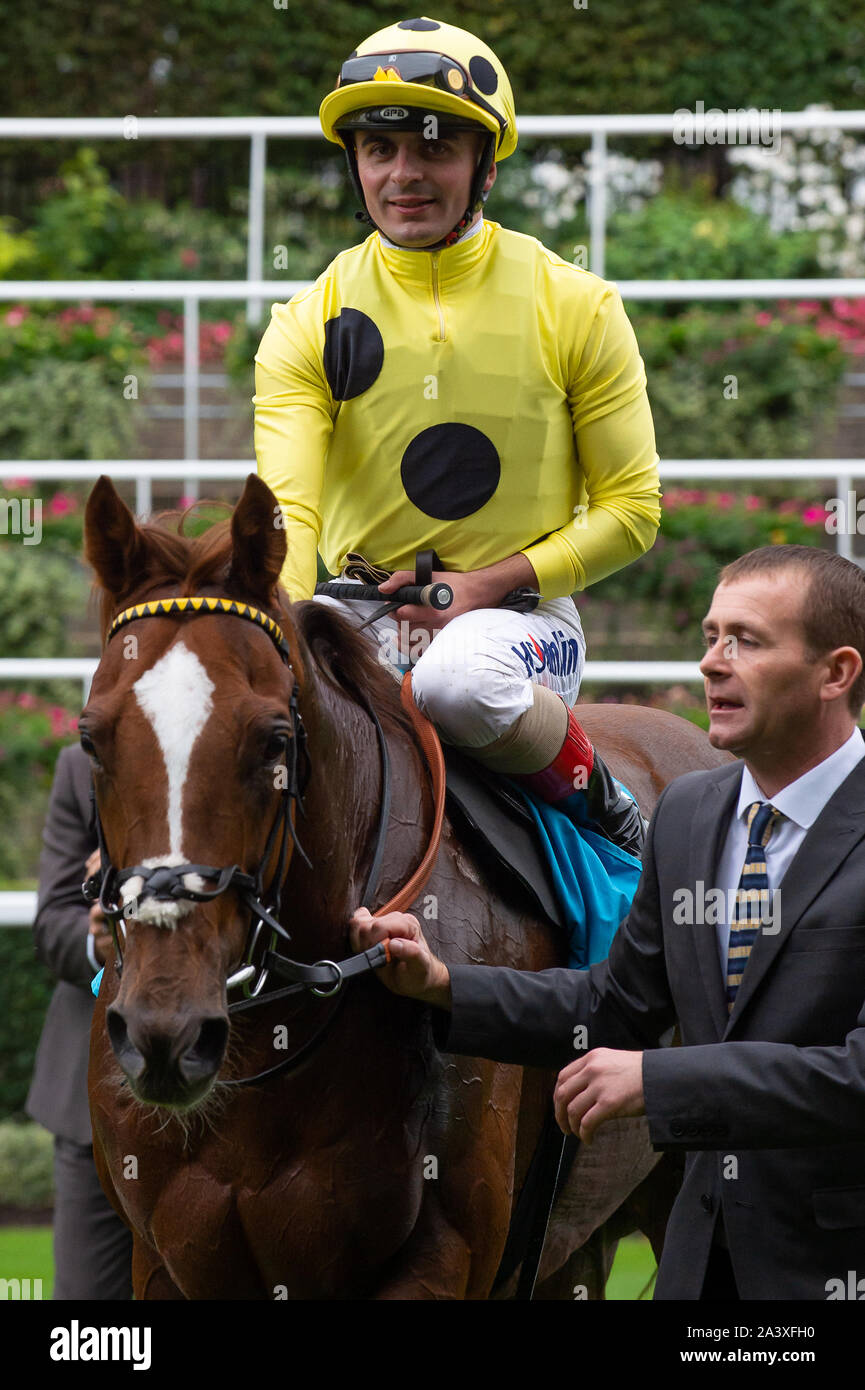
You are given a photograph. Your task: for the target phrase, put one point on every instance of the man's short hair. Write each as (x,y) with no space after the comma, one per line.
(833,605)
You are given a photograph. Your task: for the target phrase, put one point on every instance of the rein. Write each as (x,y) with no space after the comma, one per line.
(166,883)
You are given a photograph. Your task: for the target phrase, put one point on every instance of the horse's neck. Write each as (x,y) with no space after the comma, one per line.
(343,803)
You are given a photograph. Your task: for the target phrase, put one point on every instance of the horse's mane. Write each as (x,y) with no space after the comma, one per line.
(349,658)
(193,562)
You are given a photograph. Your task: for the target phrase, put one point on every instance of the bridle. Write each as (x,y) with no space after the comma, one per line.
(165,883)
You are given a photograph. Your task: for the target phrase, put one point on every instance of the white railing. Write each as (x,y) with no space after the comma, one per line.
(254,289)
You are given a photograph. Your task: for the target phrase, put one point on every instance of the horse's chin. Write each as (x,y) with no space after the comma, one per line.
(159,1094)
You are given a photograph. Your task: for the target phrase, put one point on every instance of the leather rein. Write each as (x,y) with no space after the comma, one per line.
(166,883)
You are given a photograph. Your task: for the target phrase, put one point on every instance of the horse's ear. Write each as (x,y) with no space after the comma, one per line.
(113,543)
(258,545)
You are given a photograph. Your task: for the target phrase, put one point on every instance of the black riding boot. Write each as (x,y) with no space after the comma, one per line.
(615,814)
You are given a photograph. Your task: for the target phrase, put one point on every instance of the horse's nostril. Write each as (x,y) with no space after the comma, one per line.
(124,1050)
(205,1056)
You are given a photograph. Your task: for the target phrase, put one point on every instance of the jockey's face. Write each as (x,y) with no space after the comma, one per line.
(771,700)
(417,189)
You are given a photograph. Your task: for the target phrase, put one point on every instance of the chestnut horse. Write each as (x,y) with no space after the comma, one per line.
(238,772)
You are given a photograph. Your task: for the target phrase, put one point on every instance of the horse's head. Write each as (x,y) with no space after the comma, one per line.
(192,733)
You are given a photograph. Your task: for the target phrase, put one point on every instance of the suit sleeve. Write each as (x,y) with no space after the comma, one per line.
(62,915)
(615,442)
(529,1018)
(293,426)
(757,1095)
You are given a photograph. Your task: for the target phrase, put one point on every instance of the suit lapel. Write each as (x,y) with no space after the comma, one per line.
(836,831)
(709,827)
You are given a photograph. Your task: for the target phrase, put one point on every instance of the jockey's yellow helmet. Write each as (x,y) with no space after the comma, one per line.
(427,65)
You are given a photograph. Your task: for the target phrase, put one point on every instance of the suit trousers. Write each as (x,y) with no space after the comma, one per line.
(719,1285)
(92,1246)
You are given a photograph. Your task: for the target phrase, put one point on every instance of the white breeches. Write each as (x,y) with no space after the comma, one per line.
(475,677)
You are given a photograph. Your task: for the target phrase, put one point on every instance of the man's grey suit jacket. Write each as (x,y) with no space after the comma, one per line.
(58,1091)
(769,1103)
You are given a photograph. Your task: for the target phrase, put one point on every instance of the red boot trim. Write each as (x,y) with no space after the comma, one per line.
(569,771)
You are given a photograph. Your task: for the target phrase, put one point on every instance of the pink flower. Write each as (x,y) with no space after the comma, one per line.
(188,257)
(61,504)
(16,483)
(186,502)
(17,315)
(27,701)
(763,318)
(788,508)
(724,501)
(59,719)
(753,504)
(814,516)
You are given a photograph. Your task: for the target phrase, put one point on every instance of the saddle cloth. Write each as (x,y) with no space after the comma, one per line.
(575,879)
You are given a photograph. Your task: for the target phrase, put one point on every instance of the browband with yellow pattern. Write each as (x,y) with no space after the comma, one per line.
(167,607)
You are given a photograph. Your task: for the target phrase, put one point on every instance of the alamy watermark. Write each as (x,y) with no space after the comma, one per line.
(742,126)
(21,516)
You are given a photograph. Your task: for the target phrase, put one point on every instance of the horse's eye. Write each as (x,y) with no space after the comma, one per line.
(87,744)
(275,746)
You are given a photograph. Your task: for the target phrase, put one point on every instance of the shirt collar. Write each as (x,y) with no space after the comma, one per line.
(473,231)
(803,800)
(452,261)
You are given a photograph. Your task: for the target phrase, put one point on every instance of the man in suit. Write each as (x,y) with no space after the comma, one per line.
(92,1246)
(766,1095)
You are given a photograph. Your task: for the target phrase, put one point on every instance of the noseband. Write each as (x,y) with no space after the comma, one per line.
(166,883)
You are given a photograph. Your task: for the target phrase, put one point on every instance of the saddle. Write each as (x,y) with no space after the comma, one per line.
(494,822)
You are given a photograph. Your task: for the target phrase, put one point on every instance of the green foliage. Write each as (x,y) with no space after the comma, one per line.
(71,410)
(787,381)
(32,733)
(697,538)
(87,230)
(26,1165)
(40,589)
(81,333)
(690,236)
(216,57)
(25,990)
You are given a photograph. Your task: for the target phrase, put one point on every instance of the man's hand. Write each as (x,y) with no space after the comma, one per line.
(103,942)
(415,972)
(483,588)
(468,595)
(603,1085)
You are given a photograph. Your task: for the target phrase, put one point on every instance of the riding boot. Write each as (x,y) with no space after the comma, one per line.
(579,767)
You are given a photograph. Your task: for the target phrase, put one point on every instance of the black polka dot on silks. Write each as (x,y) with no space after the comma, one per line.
(353,353)
(418,24)
(450,471)
(483,75)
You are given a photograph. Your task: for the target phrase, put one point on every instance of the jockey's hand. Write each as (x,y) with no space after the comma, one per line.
(415,972)
(603,1085)
(470,592)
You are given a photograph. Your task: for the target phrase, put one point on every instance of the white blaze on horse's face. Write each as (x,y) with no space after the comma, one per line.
(177,697)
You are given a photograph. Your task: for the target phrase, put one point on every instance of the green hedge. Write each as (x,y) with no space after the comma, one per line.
(26,1166)
(25,990)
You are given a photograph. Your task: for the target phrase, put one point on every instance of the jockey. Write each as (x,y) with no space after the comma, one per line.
(453,387)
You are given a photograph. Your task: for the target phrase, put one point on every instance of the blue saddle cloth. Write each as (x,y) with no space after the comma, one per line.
(595,880)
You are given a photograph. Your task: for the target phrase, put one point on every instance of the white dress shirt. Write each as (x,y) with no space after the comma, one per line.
(801,803)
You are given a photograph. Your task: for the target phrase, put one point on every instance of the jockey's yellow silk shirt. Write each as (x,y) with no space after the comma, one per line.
(483,399)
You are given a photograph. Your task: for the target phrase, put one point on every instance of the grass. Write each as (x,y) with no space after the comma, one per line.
(632,1269)
(26,1253)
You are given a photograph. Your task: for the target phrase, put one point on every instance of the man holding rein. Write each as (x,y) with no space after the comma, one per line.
(767,1093)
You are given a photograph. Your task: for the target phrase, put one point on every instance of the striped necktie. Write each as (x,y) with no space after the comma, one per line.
(752,895)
